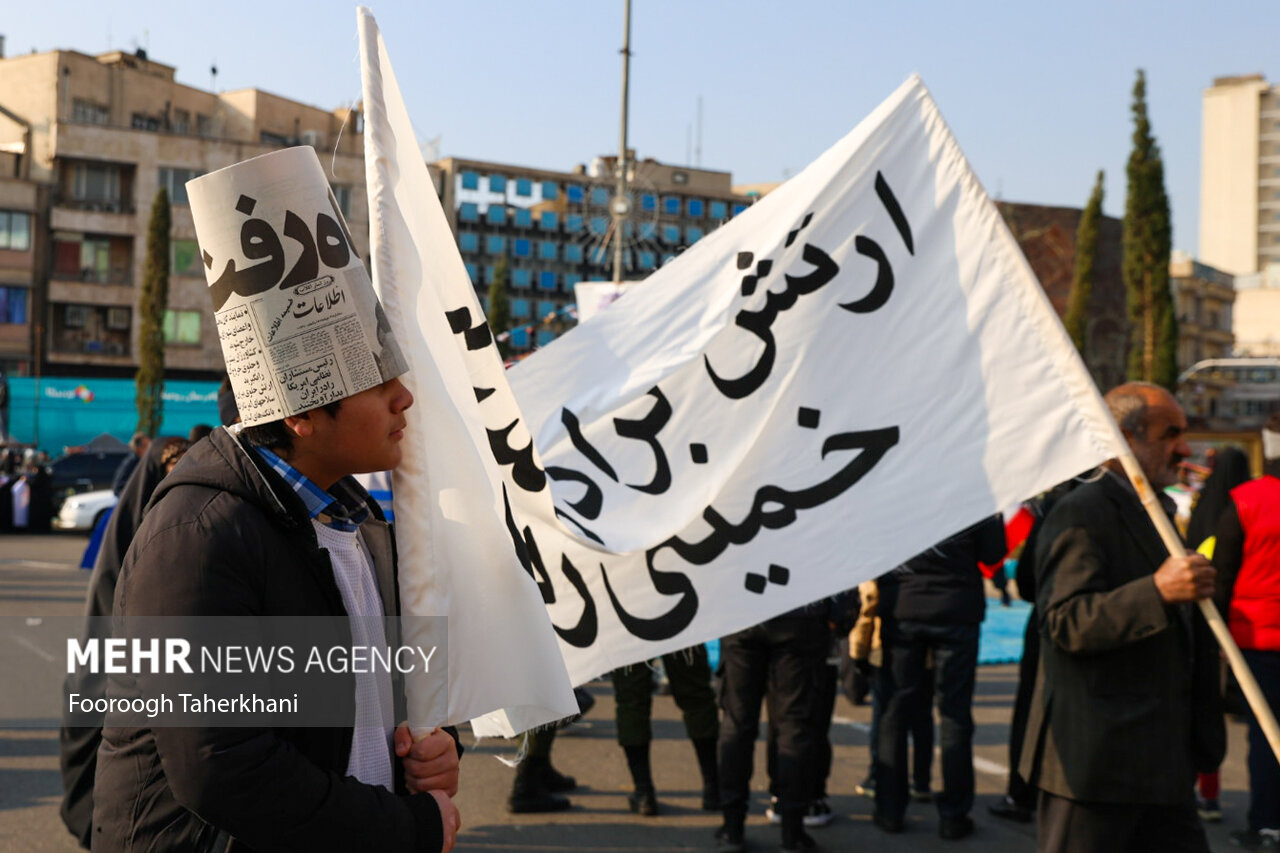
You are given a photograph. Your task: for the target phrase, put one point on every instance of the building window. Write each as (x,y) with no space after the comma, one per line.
(15,230)
(469,241)
(519,309)
(646,259)
(184,258)
(204,125)
(718,210)
(521,277)
(600,256)
(494,244)
(520,337)
(524,187)
(599,225)
(648,202)
(266,137)
(497,215)
(549,220)
(545,336)
(181,121)
(599,196)
(738,208)
(87,112)
(671,234)
(182,327)
(497,184)
(468,212)
(573,223)
(473,272)
(91,329)
(118,318)
(142,121)
(692,235)
(13,305)
(88,258)
(524,217)
(648,230)
(174,181)
(470,181)
(546,280)
(546,309)
(547,250)
(342,195)
(550,190)
(574,193)
(695,207)
(521,247)
(573,252)
(570,279)
(96,182)
(671,205)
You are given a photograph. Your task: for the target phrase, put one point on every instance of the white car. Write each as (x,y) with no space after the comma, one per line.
(82,511)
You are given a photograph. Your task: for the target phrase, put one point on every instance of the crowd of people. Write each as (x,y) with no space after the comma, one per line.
(1119,707)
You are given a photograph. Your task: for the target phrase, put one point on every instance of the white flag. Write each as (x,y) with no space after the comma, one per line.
(855,368)
(462,586)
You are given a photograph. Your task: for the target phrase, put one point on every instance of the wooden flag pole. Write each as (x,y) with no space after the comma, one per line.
(1172,541)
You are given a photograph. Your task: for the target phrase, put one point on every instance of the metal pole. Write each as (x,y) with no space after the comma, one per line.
(622,204)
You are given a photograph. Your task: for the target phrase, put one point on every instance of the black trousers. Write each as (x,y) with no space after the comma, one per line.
(1069,826)
(781,662)
(903,686)
(824,709)
(1019,791)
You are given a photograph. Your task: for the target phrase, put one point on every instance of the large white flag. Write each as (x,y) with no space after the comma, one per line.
(462,586)
(857,367)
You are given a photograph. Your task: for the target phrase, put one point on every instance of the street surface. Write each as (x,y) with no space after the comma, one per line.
(41,604)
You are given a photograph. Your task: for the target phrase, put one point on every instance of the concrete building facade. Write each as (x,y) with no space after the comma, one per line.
(555,228)
(1204,298)
(1240,175)
(101,134)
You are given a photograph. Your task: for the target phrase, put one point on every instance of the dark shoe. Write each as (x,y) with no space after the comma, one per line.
(953,828)
(866,788)
(557,782)
(643,803)
(730,840)
(803,841)
(537,802)
(819,813)
(922,795)
(1006,808)
(1252,839)
(1210,810)
(888,824)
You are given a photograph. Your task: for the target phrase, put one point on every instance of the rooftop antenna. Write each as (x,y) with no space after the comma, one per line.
(697,148)
(688,144)
(621,203)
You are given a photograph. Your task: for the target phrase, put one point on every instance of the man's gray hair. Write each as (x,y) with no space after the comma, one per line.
(1129,405)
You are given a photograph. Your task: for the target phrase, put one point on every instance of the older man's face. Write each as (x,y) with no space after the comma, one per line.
(1164,443)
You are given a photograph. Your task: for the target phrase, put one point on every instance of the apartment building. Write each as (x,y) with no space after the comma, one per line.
(100,135)
(555,228)
(1203,298)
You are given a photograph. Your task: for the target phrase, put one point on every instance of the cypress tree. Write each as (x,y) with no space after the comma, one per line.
(500,306)
(1077,316)
(1153,326)
(152,302)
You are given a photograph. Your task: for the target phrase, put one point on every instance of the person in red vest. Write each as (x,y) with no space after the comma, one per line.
(1247,557)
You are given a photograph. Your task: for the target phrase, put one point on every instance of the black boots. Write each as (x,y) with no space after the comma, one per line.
(643,800)
(532,791)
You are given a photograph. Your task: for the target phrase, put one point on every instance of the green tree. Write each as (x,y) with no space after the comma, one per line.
(1153,327)
(1077,316)
(152,302)
(499,305)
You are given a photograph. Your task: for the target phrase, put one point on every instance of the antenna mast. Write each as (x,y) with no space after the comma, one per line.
(621,203)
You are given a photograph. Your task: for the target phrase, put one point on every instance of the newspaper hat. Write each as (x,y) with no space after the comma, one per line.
(299,322)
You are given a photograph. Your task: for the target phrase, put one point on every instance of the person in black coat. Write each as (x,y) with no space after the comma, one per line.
(1126,708)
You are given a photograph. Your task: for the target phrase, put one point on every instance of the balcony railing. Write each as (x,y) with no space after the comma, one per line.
(115,275)
(95,205)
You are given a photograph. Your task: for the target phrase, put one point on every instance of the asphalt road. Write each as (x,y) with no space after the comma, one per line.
(41,603)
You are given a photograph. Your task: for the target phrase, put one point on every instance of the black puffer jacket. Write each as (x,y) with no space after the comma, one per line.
(944,584)
(226,536)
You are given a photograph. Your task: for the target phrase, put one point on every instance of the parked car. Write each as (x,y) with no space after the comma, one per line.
(83,472)
(82,511)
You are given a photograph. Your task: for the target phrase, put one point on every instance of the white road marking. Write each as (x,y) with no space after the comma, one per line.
(24,642)
(37,564)
(982,765)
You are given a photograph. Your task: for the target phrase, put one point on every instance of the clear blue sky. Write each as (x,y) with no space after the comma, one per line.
(1038,94)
